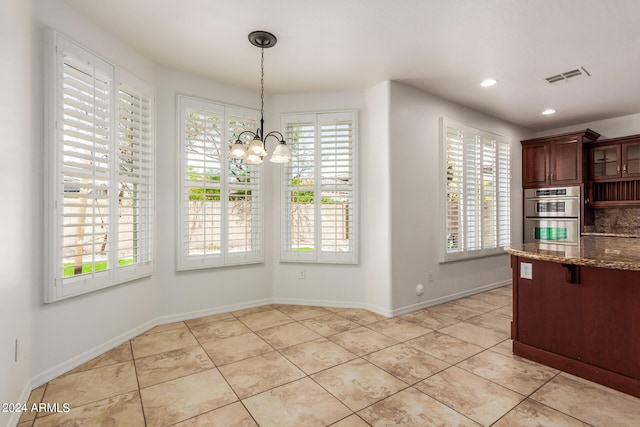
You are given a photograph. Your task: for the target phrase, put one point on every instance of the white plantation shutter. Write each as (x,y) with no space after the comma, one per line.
(201,184)
(337,180)
(503,194)
(454,161)
(244,196)
(100,174)
(477,192)
(299,211)
(85,160)
(320,221)
(135,177)
(221,212)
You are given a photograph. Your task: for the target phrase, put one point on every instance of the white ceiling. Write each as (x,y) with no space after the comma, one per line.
(445,47)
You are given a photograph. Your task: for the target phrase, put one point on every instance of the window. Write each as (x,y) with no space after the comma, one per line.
(101,173)
(476,178)
(221,210)
(320,188)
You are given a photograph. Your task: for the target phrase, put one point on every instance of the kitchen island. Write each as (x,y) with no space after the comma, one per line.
(577,308)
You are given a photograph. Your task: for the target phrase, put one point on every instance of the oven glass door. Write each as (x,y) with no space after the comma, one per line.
(559,231)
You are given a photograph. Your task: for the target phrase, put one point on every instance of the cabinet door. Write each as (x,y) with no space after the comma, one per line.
(605,162)
(535,165)
(566,162)
(611,319)
(549,310)
(631,159)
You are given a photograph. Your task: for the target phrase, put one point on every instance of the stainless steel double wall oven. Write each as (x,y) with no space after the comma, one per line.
(552,215)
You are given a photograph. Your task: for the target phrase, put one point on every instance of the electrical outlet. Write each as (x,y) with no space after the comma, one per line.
(526,270)
(430,276)
(302,275)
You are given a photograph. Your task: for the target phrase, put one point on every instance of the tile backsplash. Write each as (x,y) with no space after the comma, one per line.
(616,221)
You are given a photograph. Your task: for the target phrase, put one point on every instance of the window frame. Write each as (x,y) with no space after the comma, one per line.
(225,257)
(61,50)
(319,256)
(501,203)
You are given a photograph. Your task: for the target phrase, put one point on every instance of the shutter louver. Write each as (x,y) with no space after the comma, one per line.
(244,209)
(101,161)
(320,189)
(472,239)
(221,203)
(489,201)
(503,181)
(455,175)
(477,208)
(86,162)
(336,168)
(299,179)
(202,228)
(135,177)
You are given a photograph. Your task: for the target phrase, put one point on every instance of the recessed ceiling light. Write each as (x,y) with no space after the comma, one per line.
(549,111)
(488,82)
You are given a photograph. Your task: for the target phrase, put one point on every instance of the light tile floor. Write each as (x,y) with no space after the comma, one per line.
(285,365)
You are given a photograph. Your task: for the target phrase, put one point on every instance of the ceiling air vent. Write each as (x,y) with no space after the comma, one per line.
(569,75)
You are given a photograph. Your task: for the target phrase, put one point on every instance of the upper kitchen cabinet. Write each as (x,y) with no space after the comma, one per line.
(555,160)
(615,159)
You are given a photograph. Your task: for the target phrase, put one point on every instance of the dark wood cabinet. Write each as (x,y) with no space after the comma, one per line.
(605,162)
(535,165)
(549,311)
(631,160)
(555,161)
(614,172)
(583,320)
(615,159)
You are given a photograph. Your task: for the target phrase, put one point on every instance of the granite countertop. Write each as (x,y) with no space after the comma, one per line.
(603,251)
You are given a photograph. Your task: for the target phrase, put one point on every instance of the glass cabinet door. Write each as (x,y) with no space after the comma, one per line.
(605,162)
(631,165)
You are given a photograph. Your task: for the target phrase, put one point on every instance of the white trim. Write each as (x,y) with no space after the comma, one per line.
(86,356)
(447,298)
(23,400)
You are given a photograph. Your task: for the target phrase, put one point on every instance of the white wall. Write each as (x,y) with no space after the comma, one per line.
(375,199)
(18,262)
(608,128)
(187,294)
(415,201)
(325,284)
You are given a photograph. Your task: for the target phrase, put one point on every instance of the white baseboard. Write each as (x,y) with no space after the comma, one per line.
(78,360)
(88,355)
(24,398)
(211,311)
(441,300)
(319,303)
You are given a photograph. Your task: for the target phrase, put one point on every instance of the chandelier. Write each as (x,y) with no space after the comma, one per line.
(256,151)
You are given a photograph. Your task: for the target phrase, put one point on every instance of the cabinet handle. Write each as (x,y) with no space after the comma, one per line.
(552,176)
(618,169)
(624,168)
